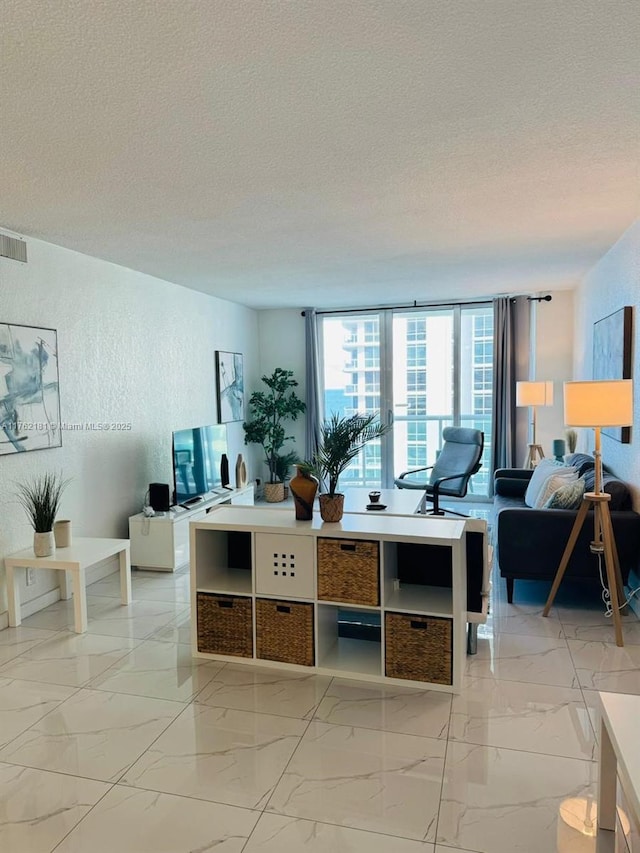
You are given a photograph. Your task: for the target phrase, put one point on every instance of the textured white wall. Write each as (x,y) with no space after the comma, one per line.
(613,283)
(131,348)
(282,345)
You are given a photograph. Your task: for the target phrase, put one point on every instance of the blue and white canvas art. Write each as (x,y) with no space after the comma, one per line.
(230,386)
(29,392)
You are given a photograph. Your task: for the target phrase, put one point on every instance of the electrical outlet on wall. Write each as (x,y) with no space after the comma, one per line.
(31,577)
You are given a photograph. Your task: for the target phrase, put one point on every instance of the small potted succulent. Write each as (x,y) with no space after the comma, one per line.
(40,498)
(341,439)
(269,411)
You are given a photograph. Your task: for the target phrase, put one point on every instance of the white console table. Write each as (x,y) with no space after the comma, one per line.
(81,555)
(250,561)
(161,542)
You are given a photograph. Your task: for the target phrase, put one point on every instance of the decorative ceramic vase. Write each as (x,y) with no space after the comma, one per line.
(241,472)
(224,469)
(303,488)
(559,448)
(44,544)
(274,492)
(62,533)
(331,508)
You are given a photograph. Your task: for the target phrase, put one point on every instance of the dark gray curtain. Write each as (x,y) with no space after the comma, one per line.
(509,321)
(312,383)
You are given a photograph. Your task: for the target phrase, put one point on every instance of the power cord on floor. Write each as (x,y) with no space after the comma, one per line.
(606,595)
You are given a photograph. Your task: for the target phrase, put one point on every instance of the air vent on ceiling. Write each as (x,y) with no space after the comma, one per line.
(14,249)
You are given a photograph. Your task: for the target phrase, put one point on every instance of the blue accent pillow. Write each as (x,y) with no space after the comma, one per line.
(582,461)
(568,496)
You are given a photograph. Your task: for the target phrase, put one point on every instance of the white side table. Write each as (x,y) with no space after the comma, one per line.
(80,556)
(619,756)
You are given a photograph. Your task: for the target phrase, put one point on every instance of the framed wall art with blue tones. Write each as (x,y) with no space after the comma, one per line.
(230,370)
(29,390)
(612,357)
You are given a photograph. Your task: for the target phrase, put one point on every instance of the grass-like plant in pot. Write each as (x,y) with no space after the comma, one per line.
(269,412)
(40,498)
(341,439)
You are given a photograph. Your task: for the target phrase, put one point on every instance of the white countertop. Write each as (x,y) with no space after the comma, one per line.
(373,524)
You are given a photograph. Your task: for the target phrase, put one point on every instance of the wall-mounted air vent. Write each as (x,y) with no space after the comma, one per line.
(12,248)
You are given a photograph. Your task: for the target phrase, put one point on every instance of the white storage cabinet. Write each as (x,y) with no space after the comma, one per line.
(244,558)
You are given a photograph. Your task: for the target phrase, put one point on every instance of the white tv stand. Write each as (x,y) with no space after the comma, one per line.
(161,542)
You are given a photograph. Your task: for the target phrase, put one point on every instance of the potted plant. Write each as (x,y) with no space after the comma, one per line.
(269,410)
(341,439)
(283,467)
(40,498)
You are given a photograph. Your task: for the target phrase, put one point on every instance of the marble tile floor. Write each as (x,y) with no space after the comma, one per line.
(119,740)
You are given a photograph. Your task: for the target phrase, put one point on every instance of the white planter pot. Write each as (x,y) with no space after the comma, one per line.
(62,533)
(44,544)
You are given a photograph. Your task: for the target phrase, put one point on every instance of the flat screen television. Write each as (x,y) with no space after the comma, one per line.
(197,453)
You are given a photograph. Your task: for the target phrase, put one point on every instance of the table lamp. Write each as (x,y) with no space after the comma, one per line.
(534,394)
(597,404)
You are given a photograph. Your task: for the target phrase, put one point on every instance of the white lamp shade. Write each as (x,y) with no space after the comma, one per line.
(534,393)
(605,403)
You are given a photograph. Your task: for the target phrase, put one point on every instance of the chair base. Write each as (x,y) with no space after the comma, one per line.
(436,510)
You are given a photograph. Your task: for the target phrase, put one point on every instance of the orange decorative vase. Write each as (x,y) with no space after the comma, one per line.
(303,487)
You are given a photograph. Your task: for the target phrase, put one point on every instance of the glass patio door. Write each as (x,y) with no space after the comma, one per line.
(422,370)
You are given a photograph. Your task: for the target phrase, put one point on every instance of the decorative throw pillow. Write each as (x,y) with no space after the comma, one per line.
(619,491)
(582,461)
(551,485)
(568,496)
(544,469)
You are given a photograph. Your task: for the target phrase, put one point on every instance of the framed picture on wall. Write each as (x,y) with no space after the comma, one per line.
(29,391)
(230,375)
(612,356)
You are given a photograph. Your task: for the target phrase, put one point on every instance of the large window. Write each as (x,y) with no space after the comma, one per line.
(424,369)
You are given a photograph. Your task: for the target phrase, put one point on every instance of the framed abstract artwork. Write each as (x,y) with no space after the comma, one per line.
(230,374)
(29,391)
(612,356)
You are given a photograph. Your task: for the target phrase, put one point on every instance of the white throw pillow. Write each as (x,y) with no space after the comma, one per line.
(552,484)
(544,469)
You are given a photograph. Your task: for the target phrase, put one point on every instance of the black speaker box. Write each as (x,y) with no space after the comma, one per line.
(159,497)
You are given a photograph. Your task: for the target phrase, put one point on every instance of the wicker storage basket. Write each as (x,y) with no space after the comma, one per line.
(418,648)
(225,625)
(284,631)
(349,571)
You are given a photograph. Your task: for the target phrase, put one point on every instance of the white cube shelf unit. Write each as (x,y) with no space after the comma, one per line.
(242,557)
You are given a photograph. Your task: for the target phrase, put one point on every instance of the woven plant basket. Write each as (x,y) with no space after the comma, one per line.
(274,492)
(331,508)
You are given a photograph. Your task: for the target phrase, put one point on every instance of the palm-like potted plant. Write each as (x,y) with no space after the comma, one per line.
(40,498)
(341,439)
(269,412)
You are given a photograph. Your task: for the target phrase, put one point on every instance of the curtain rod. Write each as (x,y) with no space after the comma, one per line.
(546,298)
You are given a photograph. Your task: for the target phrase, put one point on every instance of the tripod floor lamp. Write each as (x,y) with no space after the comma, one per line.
(597,404)
(534,394)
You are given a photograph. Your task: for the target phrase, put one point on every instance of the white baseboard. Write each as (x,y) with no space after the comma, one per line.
(39,603)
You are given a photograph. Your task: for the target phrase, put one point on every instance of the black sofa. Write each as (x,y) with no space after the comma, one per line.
(529,543)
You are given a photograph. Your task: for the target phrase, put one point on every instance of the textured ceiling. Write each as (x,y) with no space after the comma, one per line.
(332,153)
